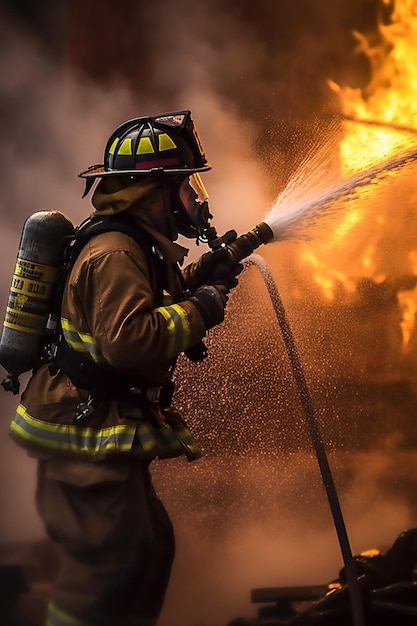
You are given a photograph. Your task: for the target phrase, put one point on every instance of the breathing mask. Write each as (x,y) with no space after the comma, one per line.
(190,207)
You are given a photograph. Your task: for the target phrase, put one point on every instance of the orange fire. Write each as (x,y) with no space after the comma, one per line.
(377,125)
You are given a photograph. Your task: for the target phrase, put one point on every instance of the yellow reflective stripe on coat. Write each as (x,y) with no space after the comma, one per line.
(58,617)
(68,438)
(81,342)
(143,440)
(166,298)
(178,328)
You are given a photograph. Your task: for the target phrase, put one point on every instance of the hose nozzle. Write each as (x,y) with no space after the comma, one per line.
(245,244)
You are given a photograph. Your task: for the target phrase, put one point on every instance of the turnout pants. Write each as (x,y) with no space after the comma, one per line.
(115,542)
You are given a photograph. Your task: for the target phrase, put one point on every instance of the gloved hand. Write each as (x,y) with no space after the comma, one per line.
(211,302)
(218,266)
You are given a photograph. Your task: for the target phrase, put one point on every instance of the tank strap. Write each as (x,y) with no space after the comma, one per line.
(103,383)
(98,225)
(72,246)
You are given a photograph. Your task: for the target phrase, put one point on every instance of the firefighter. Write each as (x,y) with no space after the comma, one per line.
(100,411)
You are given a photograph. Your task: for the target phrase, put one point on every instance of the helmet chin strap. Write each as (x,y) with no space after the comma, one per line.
(170,227)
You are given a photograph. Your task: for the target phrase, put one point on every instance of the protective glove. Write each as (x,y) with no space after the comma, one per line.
(218,266)
(211,302)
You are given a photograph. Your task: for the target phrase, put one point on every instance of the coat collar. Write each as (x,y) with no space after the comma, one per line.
(171,251)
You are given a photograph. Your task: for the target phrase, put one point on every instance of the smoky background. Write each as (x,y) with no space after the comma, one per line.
(253,511)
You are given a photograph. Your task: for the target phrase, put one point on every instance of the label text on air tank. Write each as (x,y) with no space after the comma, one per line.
(33,279)
(35,271)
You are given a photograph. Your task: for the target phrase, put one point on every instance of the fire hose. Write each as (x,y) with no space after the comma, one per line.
(243,247)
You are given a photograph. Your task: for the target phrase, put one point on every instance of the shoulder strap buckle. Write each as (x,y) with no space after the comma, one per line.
(85,409)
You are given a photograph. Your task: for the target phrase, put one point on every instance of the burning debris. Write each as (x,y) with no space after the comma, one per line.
(388,585)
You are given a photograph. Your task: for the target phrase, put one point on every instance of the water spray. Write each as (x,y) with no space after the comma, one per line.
(284,226)
(316,438)
(239,249)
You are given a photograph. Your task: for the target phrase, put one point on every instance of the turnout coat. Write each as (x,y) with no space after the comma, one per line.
(112,315)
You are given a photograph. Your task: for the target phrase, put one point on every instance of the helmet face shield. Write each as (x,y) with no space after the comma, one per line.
(198,186)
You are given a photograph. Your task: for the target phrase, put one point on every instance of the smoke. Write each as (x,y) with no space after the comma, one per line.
(54,126)
(252,512)
(264,522)
(45,143)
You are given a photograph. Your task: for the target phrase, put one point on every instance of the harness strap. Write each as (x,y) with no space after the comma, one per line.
(98,225)
(104,383)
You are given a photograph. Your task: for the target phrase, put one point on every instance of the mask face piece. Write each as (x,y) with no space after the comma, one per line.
(187,196)
(193,213)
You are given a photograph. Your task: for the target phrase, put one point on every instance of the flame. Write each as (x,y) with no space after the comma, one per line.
(391,95)
(374,128)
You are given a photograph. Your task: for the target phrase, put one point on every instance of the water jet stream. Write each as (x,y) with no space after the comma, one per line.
(296,204)
(308,407)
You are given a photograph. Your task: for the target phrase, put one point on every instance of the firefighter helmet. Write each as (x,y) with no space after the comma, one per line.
(167,144)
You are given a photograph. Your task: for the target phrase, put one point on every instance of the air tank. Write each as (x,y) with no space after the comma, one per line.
(38,265)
